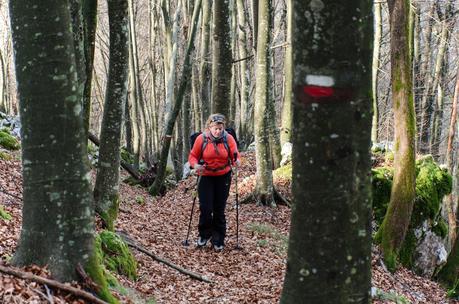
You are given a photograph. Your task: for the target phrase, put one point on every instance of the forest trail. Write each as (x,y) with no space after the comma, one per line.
(251,275)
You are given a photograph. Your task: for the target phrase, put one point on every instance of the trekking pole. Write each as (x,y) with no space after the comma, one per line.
(237,205)
(195,195)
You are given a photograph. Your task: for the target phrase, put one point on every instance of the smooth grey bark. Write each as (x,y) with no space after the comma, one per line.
(264,178)
(106,190)
(246,124)
(204,69)
(186,75)
(329,249)
(375,69)
(58,220)
(286,124)
(221,58)
(89,14)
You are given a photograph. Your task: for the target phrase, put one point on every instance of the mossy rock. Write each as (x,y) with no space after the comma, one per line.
(432,184)
(117,256)
(382,184)
(8,141)
(284,172)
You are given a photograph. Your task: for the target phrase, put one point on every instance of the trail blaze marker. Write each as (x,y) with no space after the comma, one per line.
(322,89)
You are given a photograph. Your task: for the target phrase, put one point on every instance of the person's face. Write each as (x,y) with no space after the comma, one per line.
(216,129)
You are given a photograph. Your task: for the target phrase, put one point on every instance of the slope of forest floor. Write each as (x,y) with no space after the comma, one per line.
(251,275)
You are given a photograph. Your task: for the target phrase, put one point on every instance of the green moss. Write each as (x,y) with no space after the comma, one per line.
(5,215)
(8,141)
(406,254)
(382,185)
(432,184)
(98,273)
(284,172)
(126,156)
(140,200)
(5,156)
(109,216)
(117,256)
(440,228)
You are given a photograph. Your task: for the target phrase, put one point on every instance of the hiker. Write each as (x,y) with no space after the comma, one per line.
(211,156)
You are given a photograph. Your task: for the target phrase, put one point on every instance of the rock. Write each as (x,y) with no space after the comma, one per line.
(286,153)
(430,252)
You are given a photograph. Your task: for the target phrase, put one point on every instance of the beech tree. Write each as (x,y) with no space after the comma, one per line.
(106,192)
(58,218)
(330,236)
(392,232)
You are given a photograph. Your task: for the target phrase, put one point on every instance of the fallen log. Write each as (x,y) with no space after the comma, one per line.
(73,290)
(132,243)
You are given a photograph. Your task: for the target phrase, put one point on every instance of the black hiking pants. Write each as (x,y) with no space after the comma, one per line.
(213,193)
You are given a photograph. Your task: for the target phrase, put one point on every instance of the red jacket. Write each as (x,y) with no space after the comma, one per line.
(214,163)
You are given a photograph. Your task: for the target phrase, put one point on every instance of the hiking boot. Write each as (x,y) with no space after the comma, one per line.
(202,241)
(218,248)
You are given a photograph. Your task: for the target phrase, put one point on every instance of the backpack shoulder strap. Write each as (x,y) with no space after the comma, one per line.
(225,143)
(204,143)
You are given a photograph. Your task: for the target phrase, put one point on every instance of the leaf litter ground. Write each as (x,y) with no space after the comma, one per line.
(251,275)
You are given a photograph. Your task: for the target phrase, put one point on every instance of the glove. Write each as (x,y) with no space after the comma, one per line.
(237,163)
(199,168)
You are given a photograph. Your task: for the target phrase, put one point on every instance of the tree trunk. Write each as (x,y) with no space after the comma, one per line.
(395,224)
(106,189)
(58,220)
(375,69)
(89,9)
(221,58)
(264,177)
(186,74)
(329,250)
(204,69)
(286,126)
(450,200)
(425,83)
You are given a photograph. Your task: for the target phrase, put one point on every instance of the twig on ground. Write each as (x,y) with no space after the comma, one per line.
(9,194)
(132,243)
(29,276)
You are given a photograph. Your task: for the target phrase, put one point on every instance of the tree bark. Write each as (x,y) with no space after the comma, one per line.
(106,189)
(286,128)
(204,69)
(58,221)
(329,250)
(221,58)
(395,224)
(375,69)
(264,177)
(186,74)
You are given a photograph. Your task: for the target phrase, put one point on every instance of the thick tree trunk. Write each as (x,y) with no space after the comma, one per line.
(106,190)
(58,220)
(264,177)
(329,250)
(221,58)
(393,229)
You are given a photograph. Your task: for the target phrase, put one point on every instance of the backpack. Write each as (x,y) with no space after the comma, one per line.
(225,142)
